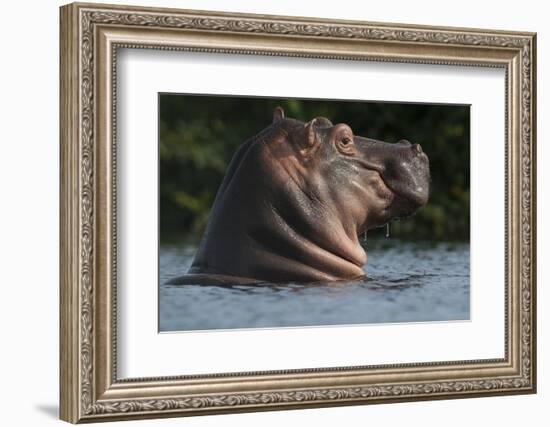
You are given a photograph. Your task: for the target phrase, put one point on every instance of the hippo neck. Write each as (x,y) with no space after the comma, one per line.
(318,247)
(286,246)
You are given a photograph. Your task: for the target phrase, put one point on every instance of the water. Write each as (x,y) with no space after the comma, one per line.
(407,282)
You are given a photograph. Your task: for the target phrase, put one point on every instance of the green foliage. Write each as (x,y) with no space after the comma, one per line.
(199,134)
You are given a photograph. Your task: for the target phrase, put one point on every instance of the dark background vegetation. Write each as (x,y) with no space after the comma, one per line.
(199,134)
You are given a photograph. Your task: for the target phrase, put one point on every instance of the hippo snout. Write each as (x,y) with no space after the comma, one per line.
(404,167)
(408,175)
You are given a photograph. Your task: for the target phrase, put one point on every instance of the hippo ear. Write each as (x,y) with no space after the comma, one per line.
(310,134)
(278,114)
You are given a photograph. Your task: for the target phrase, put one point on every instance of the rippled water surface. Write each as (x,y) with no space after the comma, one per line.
(406,282)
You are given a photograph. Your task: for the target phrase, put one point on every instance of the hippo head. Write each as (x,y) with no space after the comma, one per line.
(369,182)
(297,195)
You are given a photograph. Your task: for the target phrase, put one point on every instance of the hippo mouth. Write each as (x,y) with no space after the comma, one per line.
(383,188)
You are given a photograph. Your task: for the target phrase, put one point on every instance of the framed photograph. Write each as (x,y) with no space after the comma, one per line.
(266,212)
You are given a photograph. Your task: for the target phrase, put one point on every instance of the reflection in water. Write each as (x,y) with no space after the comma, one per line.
(405,282)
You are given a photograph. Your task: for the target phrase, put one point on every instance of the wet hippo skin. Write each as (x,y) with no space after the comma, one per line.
(295,198)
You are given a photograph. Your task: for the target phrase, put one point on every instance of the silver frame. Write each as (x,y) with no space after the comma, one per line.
(90,37)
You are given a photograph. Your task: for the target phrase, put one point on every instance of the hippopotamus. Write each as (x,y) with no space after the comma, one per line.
(297,197)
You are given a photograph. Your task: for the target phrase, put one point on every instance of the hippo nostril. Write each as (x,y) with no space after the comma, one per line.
(417,148)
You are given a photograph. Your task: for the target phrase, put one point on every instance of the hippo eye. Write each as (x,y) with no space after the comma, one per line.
(344,144)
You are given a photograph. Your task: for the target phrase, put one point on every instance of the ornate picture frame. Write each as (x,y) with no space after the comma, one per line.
(90,37)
